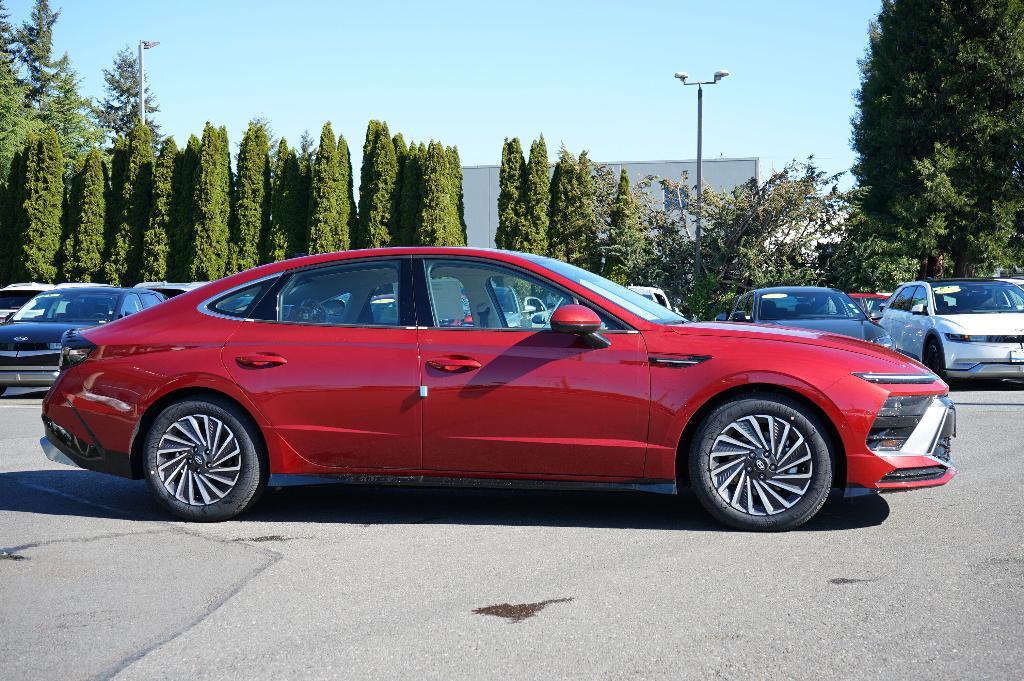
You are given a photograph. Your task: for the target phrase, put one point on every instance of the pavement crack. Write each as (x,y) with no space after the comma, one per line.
(517,612)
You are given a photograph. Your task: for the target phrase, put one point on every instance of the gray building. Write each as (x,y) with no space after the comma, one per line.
(480,186)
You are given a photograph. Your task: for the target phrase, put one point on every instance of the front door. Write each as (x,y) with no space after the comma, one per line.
(331,362)
(506,394)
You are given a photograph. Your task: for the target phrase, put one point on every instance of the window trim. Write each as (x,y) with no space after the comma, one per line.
(424,308)
(204,306)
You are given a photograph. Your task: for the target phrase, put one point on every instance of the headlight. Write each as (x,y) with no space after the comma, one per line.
(963,338)
(896,421)
(74,349)
(895,379)
(885,342)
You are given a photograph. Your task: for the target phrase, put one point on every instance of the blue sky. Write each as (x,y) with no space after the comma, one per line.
(591,75)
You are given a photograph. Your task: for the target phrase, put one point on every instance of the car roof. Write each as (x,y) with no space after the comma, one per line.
(27,285)
(91,288)
(184,285)
(797,289)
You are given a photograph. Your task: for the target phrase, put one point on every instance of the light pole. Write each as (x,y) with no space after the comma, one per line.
(143,45)
(683,76)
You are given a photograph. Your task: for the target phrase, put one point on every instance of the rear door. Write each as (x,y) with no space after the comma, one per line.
(506,394)
(330,359)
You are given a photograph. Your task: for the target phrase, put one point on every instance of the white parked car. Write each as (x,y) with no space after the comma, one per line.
(12,297)
(653,294)
(171,289)
(960,328)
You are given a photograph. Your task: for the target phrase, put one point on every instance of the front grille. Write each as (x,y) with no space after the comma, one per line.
(1005,339)
(943,448)
(915,474)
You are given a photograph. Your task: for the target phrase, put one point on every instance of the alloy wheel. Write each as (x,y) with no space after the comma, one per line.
(760,465)
(199,459)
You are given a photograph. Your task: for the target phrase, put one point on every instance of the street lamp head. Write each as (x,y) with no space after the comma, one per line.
(682,75)
(720,74)
(148,44)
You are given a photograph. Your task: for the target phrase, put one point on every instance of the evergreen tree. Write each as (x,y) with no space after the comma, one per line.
(209,249)
(252,204)
(939,130)
(183,216)
(12,195)
(572,229)
(132,188)
(16,118)
(287,217)
(87,205)
(35,47)
(377,184)
(120,106)
(439,213)
(69,114)
(411,198)
(511,191)
(395,229)
(349,213)
(455,177)
(536,202)
(328,214)
(38,222)
(156,239)
(628,248)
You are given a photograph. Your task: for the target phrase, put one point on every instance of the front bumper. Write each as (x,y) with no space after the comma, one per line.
(28,377)
(984,360)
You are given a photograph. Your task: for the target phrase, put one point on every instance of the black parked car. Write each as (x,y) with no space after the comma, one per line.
(808,307)
(30,337)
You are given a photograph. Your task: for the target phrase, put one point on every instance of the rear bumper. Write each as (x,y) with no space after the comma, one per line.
(62,446)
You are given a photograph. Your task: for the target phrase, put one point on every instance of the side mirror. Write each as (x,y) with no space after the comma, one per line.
(721,317)
(581,321)
(738,316)
(875,316)
(918,309)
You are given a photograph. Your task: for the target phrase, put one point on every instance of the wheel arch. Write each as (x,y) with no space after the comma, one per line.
(153,410)
(837,448)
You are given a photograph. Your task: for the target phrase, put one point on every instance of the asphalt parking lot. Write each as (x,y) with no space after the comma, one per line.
(333,582)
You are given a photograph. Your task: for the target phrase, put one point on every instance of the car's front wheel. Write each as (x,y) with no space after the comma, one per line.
(761,462)
(204,460)
(935,358)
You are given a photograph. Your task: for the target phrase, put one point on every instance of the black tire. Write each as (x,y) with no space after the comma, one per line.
(3,389)
(253,465)
(935,357)
(773,409)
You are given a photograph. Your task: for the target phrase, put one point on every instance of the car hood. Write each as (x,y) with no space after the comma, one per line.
(998,323)
(811,337)
(855,328)
(37,332)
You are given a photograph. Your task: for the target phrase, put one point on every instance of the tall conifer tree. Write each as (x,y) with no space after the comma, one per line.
(287,219)
(411,198)
(395,229)
(132,191)
(87,205)
(183,216)
(35,50)
(536,202)
(572,230)
(39,216)
(439,213)
(156,240)
(377,185)
(351,219)
(327,210)
(252,205)
(511,191)
(209,248)
(628,246)
(455,177)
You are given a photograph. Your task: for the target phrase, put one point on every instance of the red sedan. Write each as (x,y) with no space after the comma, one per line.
(463,366)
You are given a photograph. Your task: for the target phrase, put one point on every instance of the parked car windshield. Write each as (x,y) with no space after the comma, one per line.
(610,291)
(977,297)
(778,305)
(12,301)
(94,307)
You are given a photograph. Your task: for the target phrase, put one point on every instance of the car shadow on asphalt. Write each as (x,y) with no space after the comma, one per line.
(87,494)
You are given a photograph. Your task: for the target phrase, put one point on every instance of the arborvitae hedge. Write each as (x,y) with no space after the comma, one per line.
(286,236)
(328,196)
(511,190)
(626,239)
(209,251)
(351,219)
(572,230)
(156,238)
(378,177)
(87,207)
(183,225)
(395,229)
(133,196)
(252,203)
(411,198)
(455,178)
(13,196)
(439,215)
(536,202)
(38,217)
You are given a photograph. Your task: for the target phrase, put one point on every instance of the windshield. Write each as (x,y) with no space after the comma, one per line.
(12,301)
(90,307)
(610,291)
(977,297)
(779,305)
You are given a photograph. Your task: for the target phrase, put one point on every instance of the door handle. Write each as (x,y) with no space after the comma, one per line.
(454,364)
(261,360)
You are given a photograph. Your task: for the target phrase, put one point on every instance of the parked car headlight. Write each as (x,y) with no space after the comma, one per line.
(963,338)
(885,342)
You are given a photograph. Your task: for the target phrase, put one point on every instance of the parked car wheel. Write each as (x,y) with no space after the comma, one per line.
(3,389)
(204,460)
(761,462)
(935,358)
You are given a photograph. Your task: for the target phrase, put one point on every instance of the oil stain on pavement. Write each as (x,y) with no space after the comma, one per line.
(849,580)
(517,612)
(4,555)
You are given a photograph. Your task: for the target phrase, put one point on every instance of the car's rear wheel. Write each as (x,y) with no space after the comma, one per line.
(935,358)
(204,460)
(3,389)
(761,462)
